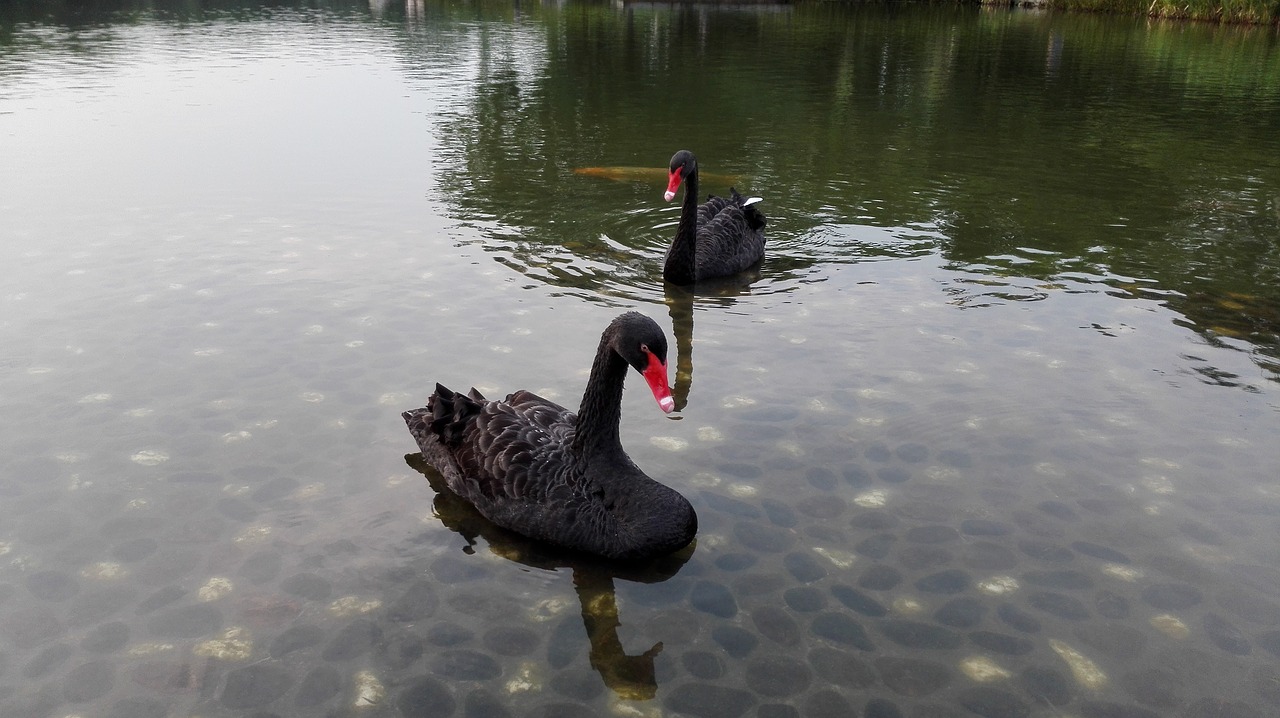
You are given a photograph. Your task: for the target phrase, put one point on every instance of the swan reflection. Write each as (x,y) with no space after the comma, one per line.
(629,676)
(679,301)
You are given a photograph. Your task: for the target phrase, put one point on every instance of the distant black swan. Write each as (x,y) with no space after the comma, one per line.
(531,466)
(717,239)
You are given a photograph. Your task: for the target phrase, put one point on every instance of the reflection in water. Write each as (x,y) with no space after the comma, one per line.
(680,305)
(631,677)
(680,302)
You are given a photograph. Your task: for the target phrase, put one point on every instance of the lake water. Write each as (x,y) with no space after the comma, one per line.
(992,432)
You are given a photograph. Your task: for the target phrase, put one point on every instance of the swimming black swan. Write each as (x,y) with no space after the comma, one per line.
(531,466)
(719,238)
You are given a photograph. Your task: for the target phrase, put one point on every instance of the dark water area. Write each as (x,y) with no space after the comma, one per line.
(991,432)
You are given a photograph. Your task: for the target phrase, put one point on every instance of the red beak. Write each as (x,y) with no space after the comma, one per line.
(673,185)
(656,376)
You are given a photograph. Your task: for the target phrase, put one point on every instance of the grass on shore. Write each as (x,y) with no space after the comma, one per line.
(1259,12)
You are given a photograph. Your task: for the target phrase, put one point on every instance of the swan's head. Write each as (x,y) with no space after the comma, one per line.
(640,341)
(683,164)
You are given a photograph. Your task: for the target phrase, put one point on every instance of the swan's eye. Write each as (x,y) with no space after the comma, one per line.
(645,348)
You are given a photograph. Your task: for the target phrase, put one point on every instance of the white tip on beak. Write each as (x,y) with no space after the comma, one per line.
(667,404)
(668,195)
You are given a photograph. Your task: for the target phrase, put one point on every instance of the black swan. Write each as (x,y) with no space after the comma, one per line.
(531,466)
(719,238)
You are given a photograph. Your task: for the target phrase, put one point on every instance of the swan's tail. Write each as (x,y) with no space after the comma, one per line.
(445,418)
(755,218)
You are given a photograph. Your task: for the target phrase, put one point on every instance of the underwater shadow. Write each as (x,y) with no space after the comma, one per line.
(630,676)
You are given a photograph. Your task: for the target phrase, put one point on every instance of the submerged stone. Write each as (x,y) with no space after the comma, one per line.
(582,685)
(1100,552)
(1171,596)
(858,601)
(463,664)
(295,638)
(426,697)
(1018,618)
(882,708)
(804,567)
(987,556)
(918,557)
(1059,510)
(511,640)
(1114,639)
(261,567)
(874,520)
(186,621)
(1047,552)
(932,534)
(307,585)
(827,703)
(705,700)
(318,686)
(1104,709)
(480,703)
(841,668)
(1059,605)
(963,612)
(763,538)
(1064,579)
(776,625)
(1002,643)
(912,677)
(1046,686)
(880,577)
(419,601)
(876,547)
(914,634)
(47,661)
(735,561)
(1223,634)
(805,599)
(703,664)
(1111,605)
(737,642)
(255,685)
(106,638)
(984,527)
(714,598)
(778,676)
(840,628)
(355,639)
(52,586)
(994,703)
(1249,606)
(779,514)
(1155,687)
(948,581)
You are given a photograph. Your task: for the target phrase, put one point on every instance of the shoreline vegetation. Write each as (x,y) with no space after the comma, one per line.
(1238,12)
(1245,12)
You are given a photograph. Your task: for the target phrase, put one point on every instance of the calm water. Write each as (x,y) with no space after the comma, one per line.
(993,432)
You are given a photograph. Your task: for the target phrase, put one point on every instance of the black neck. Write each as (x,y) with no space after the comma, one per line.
(681,264)
(601,410)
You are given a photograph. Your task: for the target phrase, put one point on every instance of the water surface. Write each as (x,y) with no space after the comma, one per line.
(992,431)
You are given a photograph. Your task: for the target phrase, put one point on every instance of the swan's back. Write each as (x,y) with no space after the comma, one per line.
(730,235)
(514,450)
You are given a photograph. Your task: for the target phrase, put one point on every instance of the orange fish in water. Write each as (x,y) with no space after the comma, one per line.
(645,174)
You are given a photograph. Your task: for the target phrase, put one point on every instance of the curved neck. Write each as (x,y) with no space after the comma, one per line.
(596,431)
(681,264)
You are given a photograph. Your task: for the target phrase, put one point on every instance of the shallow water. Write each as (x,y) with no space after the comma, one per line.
(992,432)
